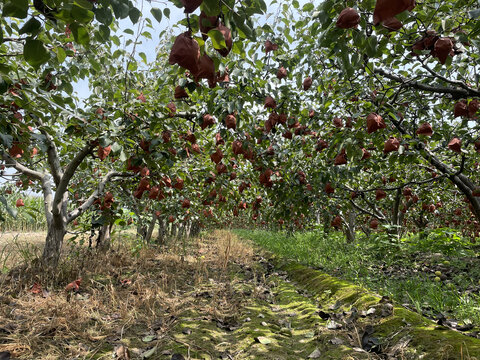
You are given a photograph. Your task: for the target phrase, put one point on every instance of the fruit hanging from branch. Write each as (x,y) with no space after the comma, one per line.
(375,122)
(207,23)
(191,5)
(270,46)
(207,120)
(103,152)
(270,103)
(185,52)
(307,83)
(425,129)
(392,144)
(180,93)
(387,9)
(227,35)
(348,19)
(281,73)
(231,122)
(443,48)
(380,194)
(455,145)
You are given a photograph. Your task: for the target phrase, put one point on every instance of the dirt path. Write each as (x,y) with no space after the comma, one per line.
(220,300)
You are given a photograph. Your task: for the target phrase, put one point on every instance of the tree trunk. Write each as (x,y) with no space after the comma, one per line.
(181,230)
(141,230)
(194,229)
(326,224)
(148,234)
(56,226)
(188,227)
(53,243)
(161,232)
(173,231)
(396,228)
(350,227)
(104,238)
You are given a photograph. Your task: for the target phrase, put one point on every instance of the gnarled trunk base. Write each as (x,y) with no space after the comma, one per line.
(53,245)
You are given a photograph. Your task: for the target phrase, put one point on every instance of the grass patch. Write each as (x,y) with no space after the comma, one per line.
(403,269)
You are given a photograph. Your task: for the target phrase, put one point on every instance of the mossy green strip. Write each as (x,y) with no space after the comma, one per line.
(427,340)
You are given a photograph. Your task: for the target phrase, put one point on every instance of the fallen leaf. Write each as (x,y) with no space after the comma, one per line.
(149,338)
(126,282)
(149,353)
(336,341)
(333,325)
(122,353)
(36,288)
(263,340)
(74,285)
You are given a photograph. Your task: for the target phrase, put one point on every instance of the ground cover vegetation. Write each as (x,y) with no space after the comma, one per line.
(353,116)
(435,275)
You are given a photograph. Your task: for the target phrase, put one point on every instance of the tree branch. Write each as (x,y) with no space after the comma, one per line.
(53,158)
(23,169)
(101,186)
(365,211)
(457,93)
(68,174)
(443,78)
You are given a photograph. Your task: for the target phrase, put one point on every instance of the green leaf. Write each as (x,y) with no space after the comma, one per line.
(474,13)
(6,140)
(84,3)
(218,40)
(120,8)
(104,32)
(81,15)
(13,212)
(30,27)
(80,33)
(157,14)
(134,15)
(371,47)
(143,56)
(166,12)
(15,8)
(1,35)
(149,338)
(35,53)
(242,25)
(61,55)
(149,353)
(211,7)
(308,7)
(104,15)
(116,148)
(3,86)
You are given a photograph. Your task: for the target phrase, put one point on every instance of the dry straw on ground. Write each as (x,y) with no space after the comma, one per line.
(120,294)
